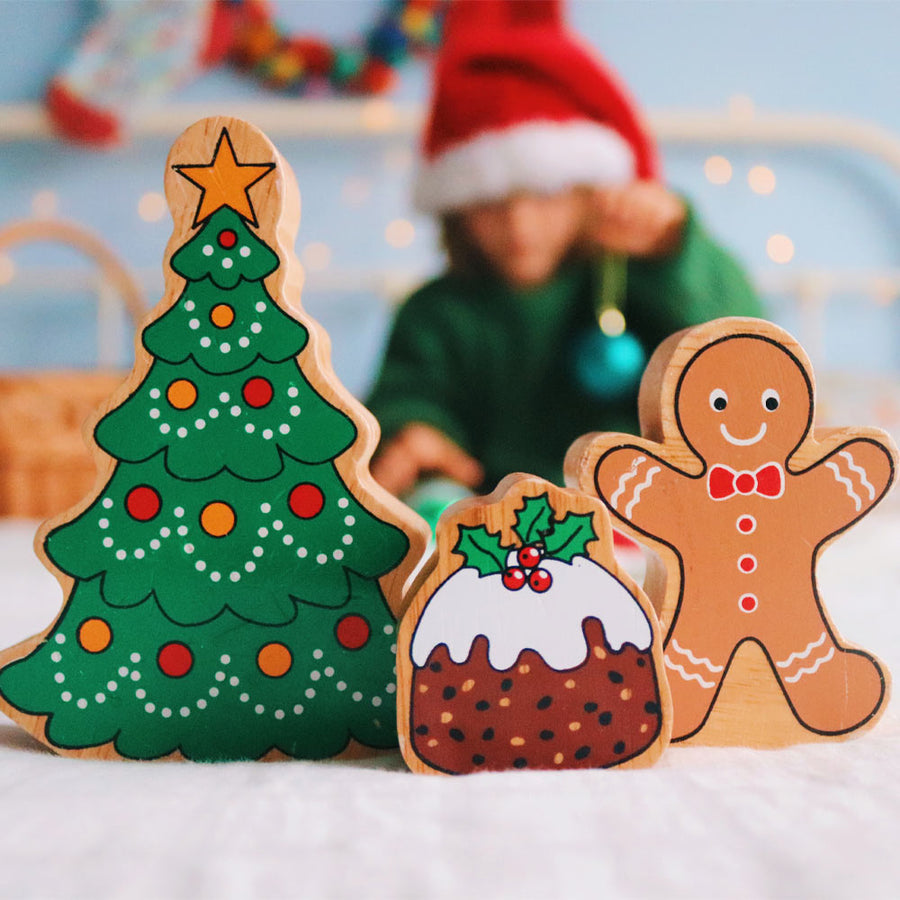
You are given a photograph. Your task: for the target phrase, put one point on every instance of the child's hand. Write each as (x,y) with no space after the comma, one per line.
(644,218)
(419,450)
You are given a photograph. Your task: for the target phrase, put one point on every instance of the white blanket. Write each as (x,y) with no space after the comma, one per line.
(812,821)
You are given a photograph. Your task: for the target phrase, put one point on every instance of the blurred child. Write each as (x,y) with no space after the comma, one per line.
(537,164)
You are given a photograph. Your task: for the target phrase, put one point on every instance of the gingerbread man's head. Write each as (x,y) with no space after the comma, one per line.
(744,400)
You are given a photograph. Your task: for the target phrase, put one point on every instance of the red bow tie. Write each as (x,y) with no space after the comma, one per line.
(767,481)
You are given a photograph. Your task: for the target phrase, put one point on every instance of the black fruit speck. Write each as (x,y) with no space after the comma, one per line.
(506,684)
(478,759)
(482,705)
(422,729)
(544,702)
(590,707)
(652,708)
(487,734)
(605,718)
(457,735)
(582,752)
(449,693)
(546,735)
(619,747)
(520,763)
(641,662)
(435,667)
(616,677)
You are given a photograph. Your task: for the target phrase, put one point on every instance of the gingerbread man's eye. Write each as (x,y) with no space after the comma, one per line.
(718,399)
(770,400)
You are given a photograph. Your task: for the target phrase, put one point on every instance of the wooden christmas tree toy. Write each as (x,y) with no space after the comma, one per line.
(233,581)
(525,645)
(739,494)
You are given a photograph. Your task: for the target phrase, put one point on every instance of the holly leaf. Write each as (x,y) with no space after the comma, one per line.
(533,520)
(570,537)
(481,550)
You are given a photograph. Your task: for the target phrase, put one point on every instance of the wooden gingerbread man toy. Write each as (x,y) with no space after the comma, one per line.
(739,495)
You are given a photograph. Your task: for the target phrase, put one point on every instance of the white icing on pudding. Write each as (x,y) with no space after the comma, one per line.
(467,605)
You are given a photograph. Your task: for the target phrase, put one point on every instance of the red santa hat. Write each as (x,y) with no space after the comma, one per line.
(519,104)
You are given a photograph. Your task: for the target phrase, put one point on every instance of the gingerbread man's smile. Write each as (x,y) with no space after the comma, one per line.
(743,442)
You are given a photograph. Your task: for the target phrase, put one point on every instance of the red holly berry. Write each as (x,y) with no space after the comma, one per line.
(143,503)
(306,501)
(352,632)
(258,392)
(513,579)
(529,557)
(540,580)
(175,659)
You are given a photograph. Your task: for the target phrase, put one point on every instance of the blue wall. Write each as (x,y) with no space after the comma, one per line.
(839,209)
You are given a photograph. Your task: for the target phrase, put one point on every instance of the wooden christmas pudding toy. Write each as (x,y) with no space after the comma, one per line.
(739,494)
(233,581)
(525,645)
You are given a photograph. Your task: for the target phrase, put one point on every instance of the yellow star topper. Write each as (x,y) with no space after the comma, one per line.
(225,181)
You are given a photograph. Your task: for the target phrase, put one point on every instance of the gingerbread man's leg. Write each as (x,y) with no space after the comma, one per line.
(832,690)
(695,665)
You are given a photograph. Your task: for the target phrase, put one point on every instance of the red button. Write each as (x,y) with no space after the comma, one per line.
(748,603)
(746,524)
(747,563)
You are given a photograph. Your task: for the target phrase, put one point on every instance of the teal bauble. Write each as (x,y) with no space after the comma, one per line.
(608,367)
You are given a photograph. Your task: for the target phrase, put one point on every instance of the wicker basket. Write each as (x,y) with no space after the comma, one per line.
(45,464)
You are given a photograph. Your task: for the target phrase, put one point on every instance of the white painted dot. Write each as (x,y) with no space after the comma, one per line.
(302,552)
(263,532)
(279,713)
(56,656)
(215,576)
(205,342)
(200,565)
(208,250)
(343,503)
(298,710)
(261,306)
(249,428)
(104,523)
(189,548)
(140,693)
(357,696)
(390,688)
(284,429)
(255,327)
(265,508)
(164,531)
(250,567)
(189,305)
(178,512)
(165,428)
(338,555)
(182,432)
(108,542)
(184,712)
(244,342)
(347,539)
(258,551)
(224,397)
(376,701)
(234,681)
(288,540)
(200,424)
(214,414)
(100,698)
(166,713)
(235,410)
(150,707)
(235,577)
(194,324)
(155,394)
(329,671)
(315,675)
(293,391)
(135,657)
(201,704)
(244,251)
(393,648)
(278,524)
(121,554)
(213,692)
(123,671)
(259,709)
(349,521)
(268,434)
(244,697)
(295,410)
(227,263)
(82,703)
(388,629)
(225,347)
(321,559)
(60,638)
(310,693)
(135,676)
(318,654)
(341,685)
(65,696)
(112,685)
(139,553)
(183,530)
(59,678)
(155,544)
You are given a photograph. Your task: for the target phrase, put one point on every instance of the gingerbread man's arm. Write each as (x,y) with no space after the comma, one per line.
(646,493)
(847,480)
